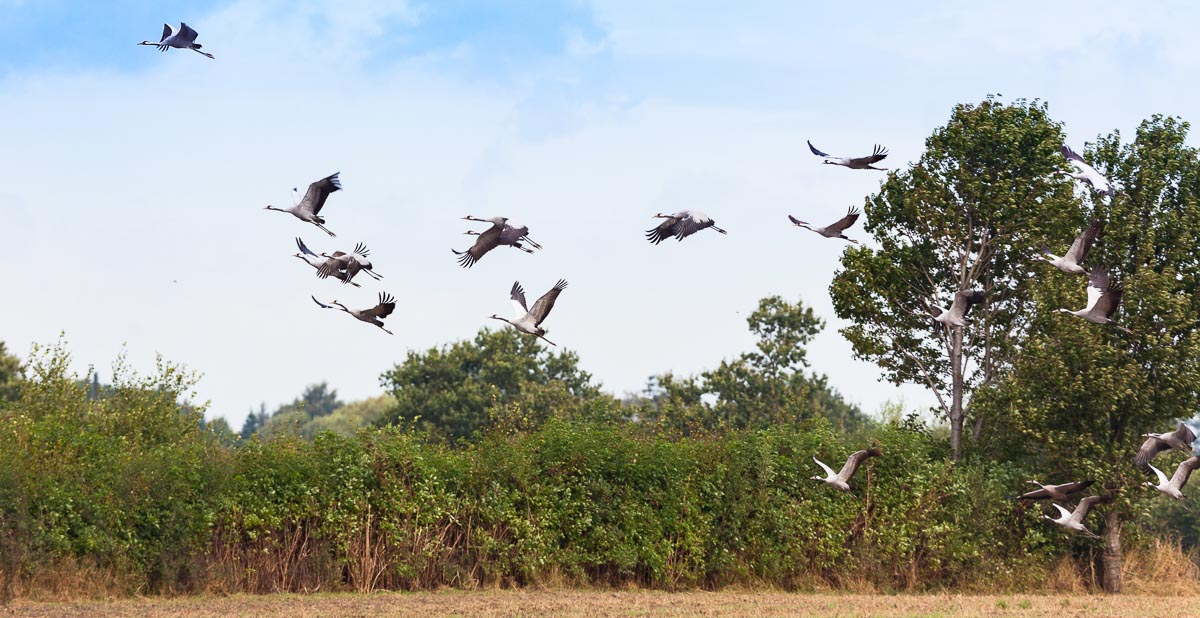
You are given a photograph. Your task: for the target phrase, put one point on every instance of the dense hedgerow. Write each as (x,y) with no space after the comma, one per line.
(134,483)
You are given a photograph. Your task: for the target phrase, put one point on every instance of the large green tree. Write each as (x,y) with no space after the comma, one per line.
(967,215)
(757,389)
(458,390)
(1080,395)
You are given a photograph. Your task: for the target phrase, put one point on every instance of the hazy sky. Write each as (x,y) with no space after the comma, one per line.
(134,181)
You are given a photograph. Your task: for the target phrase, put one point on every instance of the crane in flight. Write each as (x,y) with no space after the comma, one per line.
(183,38)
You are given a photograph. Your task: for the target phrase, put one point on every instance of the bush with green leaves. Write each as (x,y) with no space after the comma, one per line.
(610,503)
(131,481)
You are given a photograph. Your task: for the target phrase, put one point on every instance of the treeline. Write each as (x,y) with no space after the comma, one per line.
(136,490)
(135,485)
(457,392)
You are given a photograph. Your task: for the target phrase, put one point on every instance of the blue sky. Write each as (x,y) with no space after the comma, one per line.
(138,178)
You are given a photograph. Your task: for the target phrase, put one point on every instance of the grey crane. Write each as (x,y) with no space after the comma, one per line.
(1085,172)
(1102,300)
(529,321)
(314,199)
(317,262)
(1072,261)
(833,230)
(956,315)
(486,241)
(183,38)
(512,236)
(855,163)
(1056,493)
(1156,443)
(680,225)
(1174,486)
(374,315)
(349,263)
(1073,520)
(841,480)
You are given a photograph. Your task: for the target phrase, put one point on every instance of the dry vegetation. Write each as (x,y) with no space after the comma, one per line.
(639,603)
(1161,581)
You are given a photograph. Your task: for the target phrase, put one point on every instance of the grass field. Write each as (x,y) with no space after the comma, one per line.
(591,604)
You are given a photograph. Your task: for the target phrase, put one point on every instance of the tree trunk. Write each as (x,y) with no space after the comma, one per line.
(1112,553)
(956,393)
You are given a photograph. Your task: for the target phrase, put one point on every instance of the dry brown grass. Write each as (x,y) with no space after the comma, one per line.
(1163,568)
(70,580)
(637,603)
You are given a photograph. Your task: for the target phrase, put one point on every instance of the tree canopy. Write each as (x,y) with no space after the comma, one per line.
(457,390)
(968,215)
(1080,395)
(757,389)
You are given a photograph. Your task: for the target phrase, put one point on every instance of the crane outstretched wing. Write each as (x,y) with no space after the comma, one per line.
(691,224)
(844,222)
(186,33)
(1149,450)
(827,469)
(1180,478)
(1071,155)
(964,300)
(517,296)
(318,192)
(880,153)
(304,248)
(854,461)
(663,231)
(1085,506)
(542,307)
(386,305)
(817,152)
(1097,286)
(488,240)
(1083,243)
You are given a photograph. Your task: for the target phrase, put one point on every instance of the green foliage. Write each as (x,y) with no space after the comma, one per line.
(758,389)
(300,417)
(222,432)
(501,376)
(10,376)
(608,503)
(348,419)
(128,481)
(1080,394)
(136,483)
(968,215)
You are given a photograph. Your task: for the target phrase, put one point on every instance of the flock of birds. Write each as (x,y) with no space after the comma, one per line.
(1103,298)
(1073,519)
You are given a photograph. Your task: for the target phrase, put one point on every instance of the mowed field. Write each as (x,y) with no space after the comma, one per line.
(590,604)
